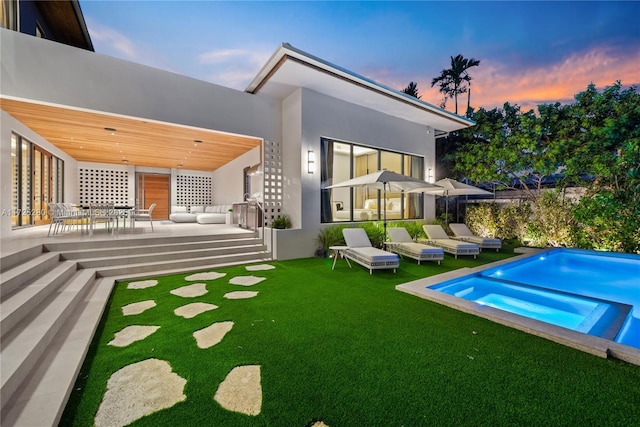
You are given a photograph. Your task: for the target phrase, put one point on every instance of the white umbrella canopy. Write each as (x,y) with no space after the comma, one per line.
(450,187)
(387,181)
(384,180)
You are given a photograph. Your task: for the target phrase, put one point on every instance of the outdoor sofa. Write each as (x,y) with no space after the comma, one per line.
(216,214)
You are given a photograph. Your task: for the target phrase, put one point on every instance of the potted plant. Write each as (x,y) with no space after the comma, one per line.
(281,222)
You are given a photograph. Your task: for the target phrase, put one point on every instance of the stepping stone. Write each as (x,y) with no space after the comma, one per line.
(241,390)
(210,275)
(260,267)
(138,390)
(195,290)
(246,280)
(137,307)
(142,284)
(212,335)
(131,334)
(240,294)
(192,310)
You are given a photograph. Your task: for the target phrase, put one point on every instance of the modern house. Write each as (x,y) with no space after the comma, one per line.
(79,127)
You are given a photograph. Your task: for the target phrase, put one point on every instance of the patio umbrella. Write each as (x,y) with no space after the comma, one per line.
(386,181)
(448,187)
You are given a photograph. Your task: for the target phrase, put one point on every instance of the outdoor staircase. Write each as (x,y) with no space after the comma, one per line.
(53,296)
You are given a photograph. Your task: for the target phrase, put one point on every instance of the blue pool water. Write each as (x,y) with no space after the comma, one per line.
(587,291)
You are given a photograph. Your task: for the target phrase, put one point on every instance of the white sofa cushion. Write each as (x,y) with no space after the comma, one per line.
(197,209)
(209,209)
(178,209)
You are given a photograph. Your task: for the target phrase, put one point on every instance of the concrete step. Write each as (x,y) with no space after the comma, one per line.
(156,248)
(11,260)
(122,242)
(183,264)
(42,397)
(168,255)
(26,272)
(26,298)
(27,342)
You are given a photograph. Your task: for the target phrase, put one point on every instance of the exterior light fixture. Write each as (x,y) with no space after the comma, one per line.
(197,141)
(311,161)
(430,175)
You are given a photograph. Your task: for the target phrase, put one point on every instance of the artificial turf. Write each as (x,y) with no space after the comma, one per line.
(345,347)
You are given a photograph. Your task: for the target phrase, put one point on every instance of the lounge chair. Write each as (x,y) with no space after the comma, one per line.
(361,251)
(402,244)
(436,236)
(462,232)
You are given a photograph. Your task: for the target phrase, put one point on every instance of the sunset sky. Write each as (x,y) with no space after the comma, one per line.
(530,52)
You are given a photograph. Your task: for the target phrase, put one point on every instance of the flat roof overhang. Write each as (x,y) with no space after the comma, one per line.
(100,137)
(290,68)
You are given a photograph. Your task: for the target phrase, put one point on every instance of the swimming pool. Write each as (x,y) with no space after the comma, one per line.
(586,291)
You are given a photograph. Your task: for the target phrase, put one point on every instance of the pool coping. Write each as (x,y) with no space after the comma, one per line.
(588,343)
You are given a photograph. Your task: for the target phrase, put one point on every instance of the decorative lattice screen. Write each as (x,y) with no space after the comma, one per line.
(103,186)
(193,190)
(272,192)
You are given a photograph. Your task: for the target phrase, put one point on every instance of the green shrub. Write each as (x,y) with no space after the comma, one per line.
(607,221)
(330,236)
(375,232)
(552,223)
(281,222)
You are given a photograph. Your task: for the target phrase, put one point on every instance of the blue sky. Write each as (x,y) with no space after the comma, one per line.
(530,52)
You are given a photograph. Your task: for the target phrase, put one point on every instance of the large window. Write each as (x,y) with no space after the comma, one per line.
(36,180)
(341,161)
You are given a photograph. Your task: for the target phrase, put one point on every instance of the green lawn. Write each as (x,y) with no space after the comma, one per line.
(346,348)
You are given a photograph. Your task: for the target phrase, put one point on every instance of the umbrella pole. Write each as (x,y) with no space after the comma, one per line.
(385,212)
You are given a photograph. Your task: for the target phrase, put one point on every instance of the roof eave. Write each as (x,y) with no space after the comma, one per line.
(286,50)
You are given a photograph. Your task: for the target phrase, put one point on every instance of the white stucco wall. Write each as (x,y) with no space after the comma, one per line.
(227,181)
(42,70)
(312,115)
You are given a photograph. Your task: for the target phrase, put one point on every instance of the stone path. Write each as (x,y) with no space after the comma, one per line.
(191,291)
(137,390)
(145,387)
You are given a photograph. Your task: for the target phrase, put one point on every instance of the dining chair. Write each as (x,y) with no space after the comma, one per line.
(144,215)
(105,213)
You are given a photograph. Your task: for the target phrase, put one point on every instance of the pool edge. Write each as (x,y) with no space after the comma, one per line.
(587,343)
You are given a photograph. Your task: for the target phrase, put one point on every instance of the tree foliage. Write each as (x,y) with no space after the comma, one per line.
(412,89)
(456,80)
(593,143)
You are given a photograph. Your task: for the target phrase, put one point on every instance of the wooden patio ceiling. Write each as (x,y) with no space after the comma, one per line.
(103,138)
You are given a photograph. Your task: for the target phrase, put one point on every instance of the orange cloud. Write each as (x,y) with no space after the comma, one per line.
(495,83)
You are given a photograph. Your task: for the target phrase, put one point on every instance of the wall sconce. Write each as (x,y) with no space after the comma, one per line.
(311,161)
(430,175)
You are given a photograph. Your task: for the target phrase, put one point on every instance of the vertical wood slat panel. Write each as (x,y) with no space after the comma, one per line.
(156,190)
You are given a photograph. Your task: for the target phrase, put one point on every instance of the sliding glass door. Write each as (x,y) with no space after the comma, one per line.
(37,179)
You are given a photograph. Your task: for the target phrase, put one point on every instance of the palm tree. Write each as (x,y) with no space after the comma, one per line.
(451,81)
(412,90)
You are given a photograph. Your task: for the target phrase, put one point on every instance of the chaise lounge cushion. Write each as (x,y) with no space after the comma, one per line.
(437,236)
(404,245)
(462,232)
(361,251)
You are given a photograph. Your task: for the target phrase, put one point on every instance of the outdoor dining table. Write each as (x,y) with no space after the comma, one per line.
(120,211)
